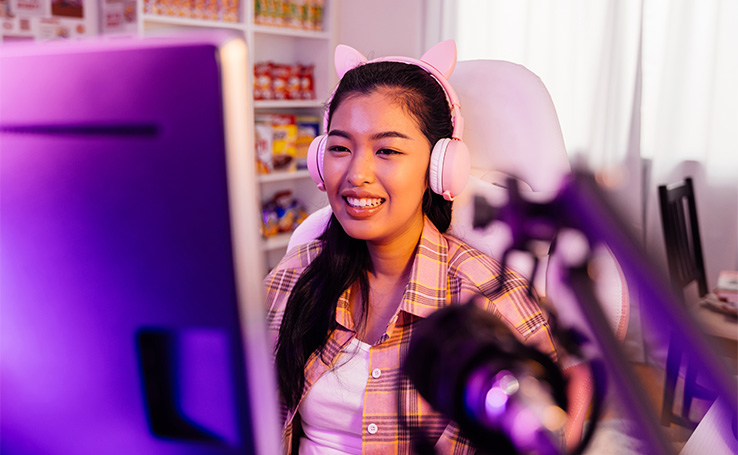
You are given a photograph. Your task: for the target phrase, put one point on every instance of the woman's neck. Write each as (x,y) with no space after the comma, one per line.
(391,267)
(392,260)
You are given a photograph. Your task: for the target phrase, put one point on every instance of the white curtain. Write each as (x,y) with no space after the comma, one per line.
(646,92)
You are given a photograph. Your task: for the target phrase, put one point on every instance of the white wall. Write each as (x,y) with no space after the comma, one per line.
(380,28)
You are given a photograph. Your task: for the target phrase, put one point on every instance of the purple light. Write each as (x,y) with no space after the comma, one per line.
(495,402)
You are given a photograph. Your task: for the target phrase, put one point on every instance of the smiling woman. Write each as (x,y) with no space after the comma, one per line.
(344,307)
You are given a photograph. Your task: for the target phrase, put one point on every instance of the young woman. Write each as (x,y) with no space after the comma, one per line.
(343,308)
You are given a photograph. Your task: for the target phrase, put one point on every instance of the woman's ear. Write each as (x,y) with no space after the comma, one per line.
(346,58)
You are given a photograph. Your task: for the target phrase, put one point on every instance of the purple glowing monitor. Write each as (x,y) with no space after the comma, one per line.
(131,309)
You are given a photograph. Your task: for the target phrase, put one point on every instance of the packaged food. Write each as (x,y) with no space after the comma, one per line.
(230,10)
(297,13)
(281,10)
(260,12)
(263,81)
(280,78)
(263,144)
(307,82)
(318,9)
(282,213)
(308,127)
(269,220)
(284,142)
(294,82)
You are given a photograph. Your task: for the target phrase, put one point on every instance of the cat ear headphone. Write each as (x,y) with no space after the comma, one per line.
(449,163)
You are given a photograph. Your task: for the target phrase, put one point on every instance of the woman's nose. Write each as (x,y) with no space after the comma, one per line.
(361,169)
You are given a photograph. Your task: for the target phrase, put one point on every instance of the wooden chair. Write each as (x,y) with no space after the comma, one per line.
(686,266)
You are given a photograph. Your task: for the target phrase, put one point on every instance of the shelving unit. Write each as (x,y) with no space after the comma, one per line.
(282,45)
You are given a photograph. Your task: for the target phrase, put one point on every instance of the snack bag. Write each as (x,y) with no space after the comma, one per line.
(284,139)
(297,11)
(269,220)
(289,211)
(263,81)
(260,12)
(308,127)
(230,10)
(294,85)
(280,79)
(263,144)
(317,16)
(307,84)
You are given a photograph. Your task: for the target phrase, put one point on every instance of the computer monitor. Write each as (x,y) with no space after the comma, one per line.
(131,309)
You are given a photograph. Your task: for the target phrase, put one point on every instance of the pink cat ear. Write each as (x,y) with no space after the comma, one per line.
(442,56)
(346,58)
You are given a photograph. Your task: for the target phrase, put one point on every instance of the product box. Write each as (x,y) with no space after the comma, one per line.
(308,127)
(276,143)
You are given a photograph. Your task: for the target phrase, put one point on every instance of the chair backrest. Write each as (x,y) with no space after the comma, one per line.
(682,235)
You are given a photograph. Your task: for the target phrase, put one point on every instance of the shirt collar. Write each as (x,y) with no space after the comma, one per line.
(426,290)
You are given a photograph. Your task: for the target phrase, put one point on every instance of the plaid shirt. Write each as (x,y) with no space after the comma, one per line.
(445,271)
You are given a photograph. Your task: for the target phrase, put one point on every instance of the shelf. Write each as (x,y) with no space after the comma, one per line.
(295,32)
(191,22)
(288,104)
(276,242)
(284,176)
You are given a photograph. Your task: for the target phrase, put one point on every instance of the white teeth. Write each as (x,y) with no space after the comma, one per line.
(364,202)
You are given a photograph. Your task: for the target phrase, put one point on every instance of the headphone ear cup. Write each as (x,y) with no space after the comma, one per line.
(315,154)
(449,168)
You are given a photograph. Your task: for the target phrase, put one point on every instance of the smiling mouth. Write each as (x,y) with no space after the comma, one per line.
(364,203)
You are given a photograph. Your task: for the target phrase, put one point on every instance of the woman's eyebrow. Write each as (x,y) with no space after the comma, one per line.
(339,133)
(374,137)
(385,134)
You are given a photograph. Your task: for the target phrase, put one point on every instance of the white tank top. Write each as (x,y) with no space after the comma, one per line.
(332,410)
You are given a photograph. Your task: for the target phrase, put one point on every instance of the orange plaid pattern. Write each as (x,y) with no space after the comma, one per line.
(446,271)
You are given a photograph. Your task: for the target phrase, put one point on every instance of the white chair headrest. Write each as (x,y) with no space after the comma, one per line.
(511,126)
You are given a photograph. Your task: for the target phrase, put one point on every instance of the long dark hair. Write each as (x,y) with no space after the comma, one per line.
(310,314)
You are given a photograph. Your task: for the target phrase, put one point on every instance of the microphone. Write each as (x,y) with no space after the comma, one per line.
(506,397)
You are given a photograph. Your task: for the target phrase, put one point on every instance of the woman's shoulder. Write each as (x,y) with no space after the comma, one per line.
(300,256)
(462,254)
(471,264)
(293,263)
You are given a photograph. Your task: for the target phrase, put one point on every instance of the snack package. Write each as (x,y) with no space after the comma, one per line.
(263,81)
(198,9)
(294,82)
(230,10)
(211,10)
(297,13)
(318,9)
(263,144)
(282,213)
(280,78)
(269,220)
(260,12)
(280,10)
(308,127)
(307,84)
(284,141)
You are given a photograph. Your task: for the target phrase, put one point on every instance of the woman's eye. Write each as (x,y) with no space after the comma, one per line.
(337,148)
(387,152)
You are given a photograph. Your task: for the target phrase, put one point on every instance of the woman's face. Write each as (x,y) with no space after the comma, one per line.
(375,168)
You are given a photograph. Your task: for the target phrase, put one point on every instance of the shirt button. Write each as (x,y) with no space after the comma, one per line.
(376,373)
(372,428)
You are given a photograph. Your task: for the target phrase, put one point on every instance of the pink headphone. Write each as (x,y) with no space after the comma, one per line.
(449,163)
